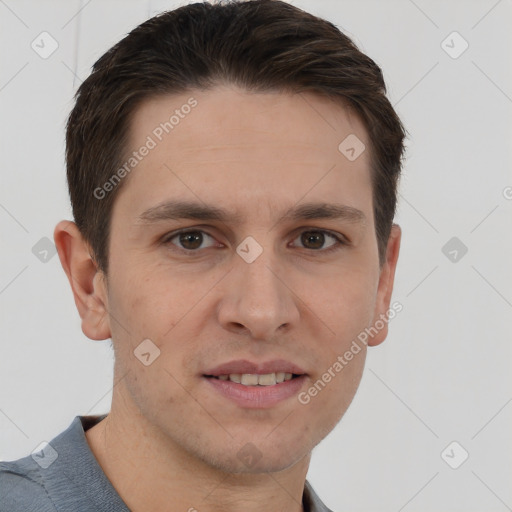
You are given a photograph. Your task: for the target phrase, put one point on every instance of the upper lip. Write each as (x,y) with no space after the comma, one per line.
(244,366)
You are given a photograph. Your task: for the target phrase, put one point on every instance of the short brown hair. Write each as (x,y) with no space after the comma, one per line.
(259,45)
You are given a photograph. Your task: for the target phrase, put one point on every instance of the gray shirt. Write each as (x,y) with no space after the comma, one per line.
(66,477)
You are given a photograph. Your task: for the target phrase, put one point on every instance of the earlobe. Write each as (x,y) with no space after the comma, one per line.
(385,288)
(87,282)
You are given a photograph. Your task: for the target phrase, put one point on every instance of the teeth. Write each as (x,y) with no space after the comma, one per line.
(249,379)
(252,379)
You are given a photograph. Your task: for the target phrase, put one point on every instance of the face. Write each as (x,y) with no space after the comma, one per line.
(242,243)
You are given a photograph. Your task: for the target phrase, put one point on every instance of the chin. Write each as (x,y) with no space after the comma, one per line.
(256,458)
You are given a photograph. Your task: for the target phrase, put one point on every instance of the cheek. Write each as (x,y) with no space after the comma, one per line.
(331,393)
(156,392)
(155,306)
(344,305)
(151,300)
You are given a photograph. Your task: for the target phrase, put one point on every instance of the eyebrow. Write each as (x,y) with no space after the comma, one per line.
(177,210)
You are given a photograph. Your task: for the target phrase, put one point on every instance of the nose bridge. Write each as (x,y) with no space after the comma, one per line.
(256,297)
(259,280)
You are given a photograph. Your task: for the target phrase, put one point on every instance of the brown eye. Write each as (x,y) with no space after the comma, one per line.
(312,239)
(191,240)
(315,239)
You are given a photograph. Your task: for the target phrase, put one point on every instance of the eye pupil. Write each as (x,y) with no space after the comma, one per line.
(315,237)
(191,240)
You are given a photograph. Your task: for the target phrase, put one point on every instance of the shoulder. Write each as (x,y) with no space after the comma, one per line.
(62,476)
(22,487)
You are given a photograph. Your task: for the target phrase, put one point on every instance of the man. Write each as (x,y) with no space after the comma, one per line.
(232,170)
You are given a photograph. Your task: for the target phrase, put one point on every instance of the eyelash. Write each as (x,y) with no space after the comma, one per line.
(340,241)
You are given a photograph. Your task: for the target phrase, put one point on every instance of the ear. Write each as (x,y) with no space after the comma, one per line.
(87,282)
(385,288)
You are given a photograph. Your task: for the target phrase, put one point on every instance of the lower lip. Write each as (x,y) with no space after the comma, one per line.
(257,397)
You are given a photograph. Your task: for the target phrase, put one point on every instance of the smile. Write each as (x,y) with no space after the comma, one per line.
(254,379)
(256,391)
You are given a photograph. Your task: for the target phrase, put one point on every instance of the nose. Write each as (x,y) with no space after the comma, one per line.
(258,300)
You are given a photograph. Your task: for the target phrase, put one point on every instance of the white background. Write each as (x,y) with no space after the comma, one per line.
(442,375)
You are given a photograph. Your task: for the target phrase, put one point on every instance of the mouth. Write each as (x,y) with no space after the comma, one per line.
(255,379)
(255,385)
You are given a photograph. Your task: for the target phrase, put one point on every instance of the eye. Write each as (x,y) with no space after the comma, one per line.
(191,240)
(315,239)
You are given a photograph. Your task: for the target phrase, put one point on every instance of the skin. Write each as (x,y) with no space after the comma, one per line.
(170,438)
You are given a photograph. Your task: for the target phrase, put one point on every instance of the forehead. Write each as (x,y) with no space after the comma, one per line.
(225,144)
(229,115)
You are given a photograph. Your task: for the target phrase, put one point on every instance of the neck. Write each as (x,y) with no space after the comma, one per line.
(150,471)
